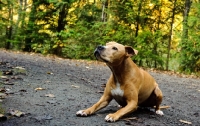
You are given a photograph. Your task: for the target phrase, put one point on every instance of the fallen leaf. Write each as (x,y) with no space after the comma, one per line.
(4,77)
(74,86)
(103,85)
(9,72)
(51,102)
(49,73)
(19,70)
(8,83)
(186,122)
(2,90)
(2,117)
(2,95)
(8,91)
(22,90)
(16,113)
(40,104)
(128,119)
(100,91)
(39,88)
(50,95)
(163,107)
(16,77)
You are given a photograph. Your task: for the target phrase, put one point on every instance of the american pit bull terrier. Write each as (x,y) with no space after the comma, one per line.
(129,85)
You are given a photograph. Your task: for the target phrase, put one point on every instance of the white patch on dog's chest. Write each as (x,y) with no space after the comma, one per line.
(117,91)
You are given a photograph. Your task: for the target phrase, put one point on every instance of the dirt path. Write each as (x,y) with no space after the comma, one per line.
(73,85)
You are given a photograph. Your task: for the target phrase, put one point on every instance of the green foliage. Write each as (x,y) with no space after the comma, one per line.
(190,53)
(73,29)
(150,52)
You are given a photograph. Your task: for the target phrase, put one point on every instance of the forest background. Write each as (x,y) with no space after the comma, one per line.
(165,32)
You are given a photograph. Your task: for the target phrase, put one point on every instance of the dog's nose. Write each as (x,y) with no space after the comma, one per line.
(100,47)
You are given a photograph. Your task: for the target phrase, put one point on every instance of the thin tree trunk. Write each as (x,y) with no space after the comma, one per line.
(184,37)
(9,27)
(17,26)
(104,14)
(158,28)
(61,26)
(8,35)
(30,27)
(138,24)
(23,14)
(138,18)
(170,35)
(185,21)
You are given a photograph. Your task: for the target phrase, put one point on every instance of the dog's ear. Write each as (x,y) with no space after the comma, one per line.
(130,51)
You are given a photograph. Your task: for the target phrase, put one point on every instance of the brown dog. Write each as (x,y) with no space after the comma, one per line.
(129,85)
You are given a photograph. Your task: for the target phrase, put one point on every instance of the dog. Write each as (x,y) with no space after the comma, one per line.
(129,85)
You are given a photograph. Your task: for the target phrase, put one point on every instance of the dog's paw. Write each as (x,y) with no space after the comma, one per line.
(159,112)
(110,118)
(81,113)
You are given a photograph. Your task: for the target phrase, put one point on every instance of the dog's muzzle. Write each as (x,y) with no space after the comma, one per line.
(97,51)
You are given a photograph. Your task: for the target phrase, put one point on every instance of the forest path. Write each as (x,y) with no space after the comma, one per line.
(71,85)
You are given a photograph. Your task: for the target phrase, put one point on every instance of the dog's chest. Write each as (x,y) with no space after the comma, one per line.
(117,91)
(118,95)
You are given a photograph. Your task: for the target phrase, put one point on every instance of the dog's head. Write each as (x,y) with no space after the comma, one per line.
(114,53)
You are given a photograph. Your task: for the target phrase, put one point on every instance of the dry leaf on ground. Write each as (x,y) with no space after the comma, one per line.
(3,89)
(4,77)
(19,70)
(39,88)
(3,117)
(186,122)
(50,95)
(2,95)
(16,113)
(49,73)
(74,86)
(128,119)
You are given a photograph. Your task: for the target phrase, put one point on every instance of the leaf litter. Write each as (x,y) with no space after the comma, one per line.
(184,121)
(39,89)
(3,117)
(50,95)
(16,113)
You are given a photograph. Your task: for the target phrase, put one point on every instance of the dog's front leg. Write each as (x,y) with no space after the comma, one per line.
(130,107)
(103,102)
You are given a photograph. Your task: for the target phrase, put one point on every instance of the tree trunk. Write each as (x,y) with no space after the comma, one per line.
(30,27)
(170,35)
(184,38)
(138,18)
(185,21)
(9,28)
(61,26)
(8,35)
(17,26)
(157,29)
(104,14)
(137,24)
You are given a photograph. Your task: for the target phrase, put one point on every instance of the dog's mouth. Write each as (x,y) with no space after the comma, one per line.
(98,56)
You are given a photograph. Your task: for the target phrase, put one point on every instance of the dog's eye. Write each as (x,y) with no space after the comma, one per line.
(114,48)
